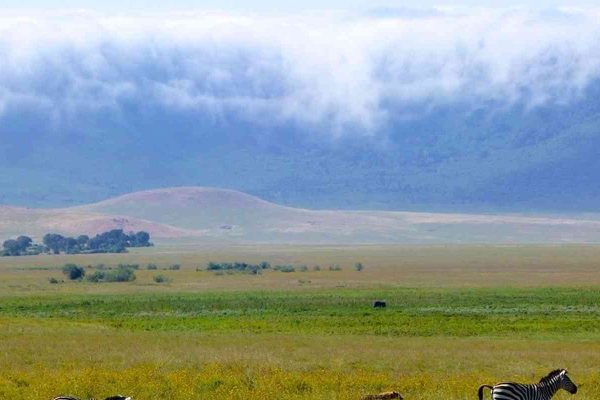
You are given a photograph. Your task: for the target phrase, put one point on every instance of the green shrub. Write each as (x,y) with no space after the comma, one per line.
(97,276)
(152,267)
(73,271)
(253,269)
(53,280)
(129,266)
(264,265)
(161,279)
(359,266)
(174,267)
(121,274)
(335,267)
(285,268)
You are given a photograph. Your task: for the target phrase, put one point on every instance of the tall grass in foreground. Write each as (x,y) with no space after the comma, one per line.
(243,380)
(456,317)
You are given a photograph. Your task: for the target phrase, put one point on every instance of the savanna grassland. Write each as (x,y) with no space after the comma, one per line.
(456,317)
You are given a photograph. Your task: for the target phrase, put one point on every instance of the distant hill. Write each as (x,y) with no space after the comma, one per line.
(16,221)
(206,215)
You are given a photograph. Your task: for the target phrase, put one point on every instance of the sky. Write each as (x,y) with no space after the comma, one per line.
(277,5)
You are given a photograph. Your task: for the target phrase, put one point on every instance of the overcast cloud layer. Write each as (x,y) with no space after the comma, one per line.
(340,72)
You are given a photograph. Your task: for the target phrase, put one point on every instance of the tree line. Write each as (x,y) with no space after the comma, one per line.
(113,241)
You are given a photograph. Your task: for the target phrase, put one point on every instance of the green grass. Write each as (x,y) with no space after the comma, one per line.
(547,313)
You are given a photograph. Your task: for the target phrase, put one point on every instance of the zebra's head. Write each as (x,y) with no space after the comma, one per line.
(566,382)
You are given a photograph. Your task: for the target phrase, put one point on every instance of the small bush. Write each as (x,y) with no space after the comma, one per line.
(97,276)
(254,269)
(151,267)
(53,280)
(264,265)
(73,271)
(129,266)
(303,268)
(121,274)
(335,267)
(317,268)
(161,279)
(174,267)
(359,266)
(285,268)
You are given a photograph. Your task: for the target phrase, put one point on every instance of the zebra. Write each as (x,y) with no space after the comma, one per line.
(117,397)
(544,390)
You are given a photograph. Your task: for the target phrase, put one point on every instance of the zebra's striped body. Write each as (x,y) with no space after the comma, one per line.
(544,390)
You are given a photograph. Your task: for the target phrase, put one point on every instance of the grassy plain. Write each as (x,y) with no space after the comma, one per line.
(456,317)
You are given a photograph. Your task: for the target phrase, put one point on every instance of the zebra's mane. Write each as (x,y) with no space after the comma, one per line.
(551,375)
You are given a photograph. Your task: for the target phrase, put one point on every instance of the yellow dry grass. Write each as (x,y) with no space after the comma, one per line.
(386,266)
(40,360)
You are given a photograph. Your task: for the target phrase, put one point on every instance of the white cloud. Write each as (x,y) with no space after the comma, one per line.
(329,70)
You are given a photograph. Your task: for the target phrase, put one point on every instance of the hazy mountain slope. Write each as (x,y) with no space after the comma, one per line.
(16,221)
(206,215)
(195,207)
(445,159)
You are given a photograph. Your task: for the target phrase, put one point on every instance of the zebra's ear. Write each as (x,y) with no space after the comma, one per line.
(564,371)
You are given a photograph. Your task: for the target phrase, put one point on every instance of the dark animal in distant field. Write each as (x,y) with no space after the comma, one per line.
(379,304)
(544,390)
(383,396)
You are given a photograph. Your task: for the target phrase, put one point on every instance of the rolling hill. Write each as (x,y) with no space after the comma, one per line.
(206,215)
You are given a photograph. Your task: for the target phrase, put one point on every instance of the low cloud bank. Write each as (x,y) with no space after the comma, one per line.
(328,70)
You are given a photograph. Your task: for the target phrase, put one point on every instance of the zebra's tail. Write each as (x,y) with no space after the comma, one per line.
(480,391)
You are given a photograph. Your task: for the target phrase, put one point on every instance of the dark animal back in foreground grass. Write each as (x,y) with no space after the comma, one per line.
(117,397)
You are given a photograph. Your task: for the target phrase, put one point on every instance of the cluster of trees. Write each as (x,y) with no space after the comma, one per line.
(21,246)
(258,268)
(123,273)
(113,241)
(238,266)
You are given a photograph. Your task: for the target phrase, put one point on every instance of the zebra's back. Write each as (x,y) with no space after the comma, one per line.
(516,391)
